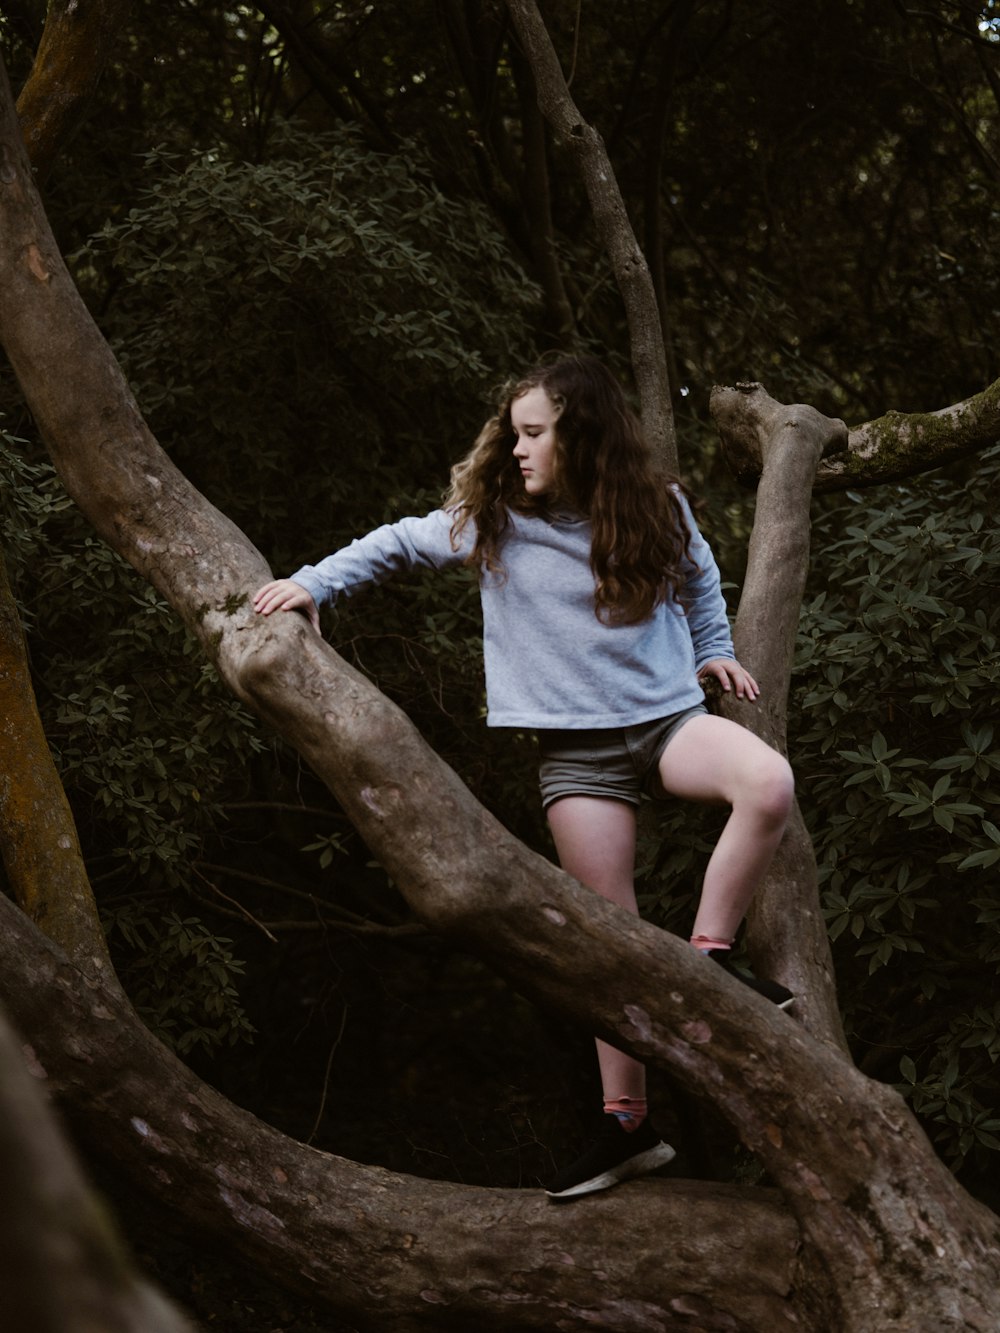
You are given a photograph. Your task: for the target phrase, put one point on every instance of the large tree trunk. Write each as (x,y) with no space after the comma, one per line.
(889,1241)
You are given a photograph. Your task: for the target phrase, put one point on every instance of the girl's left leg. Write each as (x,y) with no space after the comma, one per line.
(714,760)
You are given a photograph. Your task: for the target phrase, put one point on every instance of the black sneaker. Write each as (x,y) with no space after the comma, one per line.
(771,990)
(616,1156)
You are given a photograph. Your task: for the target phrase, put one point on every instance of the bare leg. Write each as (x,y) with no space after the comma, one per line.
(595,839)
(714,760)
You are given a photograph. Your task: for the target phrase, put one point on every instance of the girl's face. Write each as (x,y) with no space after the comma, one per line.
(533,417)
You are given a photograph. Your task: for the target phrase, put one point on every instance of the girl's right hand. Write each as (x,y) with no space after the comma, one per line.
(284,595)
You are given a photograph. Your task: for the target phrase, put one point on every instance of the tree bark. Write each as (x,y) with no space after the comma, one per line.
(649,360)
(76,41)
(63,1267)
(387,1251)
(889,1239)
(38,841)
(786,932)
(899,445)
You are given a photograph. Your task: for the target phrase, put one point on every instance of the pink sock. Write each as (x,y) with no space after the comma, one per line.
(704,943)
(630,1112)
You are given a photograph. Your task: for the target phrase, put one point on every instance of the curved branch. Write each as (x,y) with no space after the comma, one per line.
(897,445)
(385,1250)
(62,1264)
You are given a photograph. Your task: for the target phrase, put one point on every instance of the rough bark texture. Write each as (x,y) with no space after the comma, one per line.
(38,842)
(786,932)
(897,445)
(649,360)
(76,42)
(63,1267)
(889,1241)
(382,1250)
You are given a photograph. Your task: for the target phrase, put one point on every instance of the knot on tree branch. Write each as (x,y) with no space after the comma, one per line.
(752,425)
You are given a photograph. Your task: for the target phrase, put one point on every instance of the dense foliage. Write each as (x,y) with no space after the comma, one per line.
(899,756)
(313,253)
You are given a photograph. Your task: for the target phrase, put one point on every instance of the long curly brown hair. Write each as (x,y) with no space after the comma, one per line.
(605,471)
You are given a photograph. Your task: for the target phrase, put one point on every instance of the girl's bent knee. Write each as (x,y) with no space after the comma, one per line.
(775,792)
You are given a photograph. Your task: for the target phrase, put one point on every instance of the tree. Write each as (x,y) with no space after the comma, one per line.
(883,1228)
(64,1267)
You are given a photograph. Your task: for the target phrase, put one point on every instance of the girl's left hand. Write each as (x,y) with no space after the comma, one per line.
(731,676)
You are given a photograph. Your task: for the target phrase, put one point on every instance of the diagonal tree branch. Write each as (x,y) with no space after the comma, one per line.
(879,1216)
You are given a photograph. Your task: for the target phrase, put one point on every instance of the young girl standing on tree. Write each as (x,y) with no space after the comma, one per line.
(602,612)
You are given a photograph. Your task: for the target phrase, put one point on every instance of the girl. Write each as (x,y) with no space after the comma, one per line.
(602,612)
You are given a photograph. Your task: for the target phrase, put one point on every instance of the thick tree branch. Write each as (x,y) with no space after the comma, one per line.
(38,840)
(784,445)
(877,1212)
(383,1250)
(75,46)
(628,263)
(898,445)
(62,1264)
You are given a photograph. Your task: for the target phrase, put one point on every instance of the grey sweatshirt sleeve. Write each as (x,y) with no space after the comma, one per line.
(707,617)
(393,549)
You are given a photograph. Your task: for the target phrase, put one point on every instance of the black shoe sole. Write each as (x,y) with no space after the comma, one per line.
(640,1165)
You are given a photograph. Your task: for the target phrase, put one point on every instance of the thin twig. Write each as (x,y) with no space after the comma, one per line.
(326,1076)
(238,906)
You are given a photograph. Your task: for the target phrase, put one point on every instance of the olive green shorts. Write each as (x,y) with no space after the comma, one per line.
(621,763)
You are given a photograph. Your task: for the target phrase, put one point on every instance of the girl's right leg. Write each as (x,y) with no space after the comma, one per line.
(595,839)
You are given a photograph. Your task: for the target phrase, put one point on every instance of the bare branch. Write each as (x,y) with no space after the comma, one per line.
(628,263)
(896,446)
(786,930)
(902,444)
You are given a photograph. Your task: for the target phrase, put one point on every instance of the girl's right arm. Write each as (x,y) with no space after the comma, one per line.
(285,595)
(392,549)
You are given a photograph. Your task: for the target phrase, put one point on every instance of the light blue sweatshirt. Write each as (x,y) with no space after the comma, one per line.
(550,663)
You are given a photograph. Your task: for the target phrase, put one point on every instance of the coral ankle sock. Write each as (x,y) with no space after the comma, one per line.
(630,1112)
(706,944)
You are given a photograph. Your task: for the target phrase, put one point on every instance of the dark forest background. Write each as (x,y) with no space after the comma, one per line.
(317,236)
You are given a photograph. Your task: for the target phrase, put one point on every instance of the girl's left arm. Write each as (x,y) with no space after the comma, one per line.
(731,676)
(708,619)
